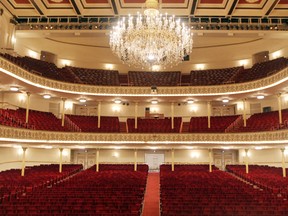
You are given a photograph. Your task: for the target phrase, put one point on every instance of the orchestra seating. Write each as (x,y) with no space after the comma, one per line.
(266,177)
(194,191)
(90,123)
(141,78)
(150,125)
(213,76)
(38,120)
(12,184)
(106,193)
(218,124)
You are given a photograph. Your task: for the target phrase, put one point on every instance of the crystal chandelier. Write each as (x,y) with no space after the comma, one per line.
(151,39)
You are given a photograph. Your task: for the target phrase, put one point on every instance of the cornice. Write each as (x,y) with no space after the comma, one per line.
(26,136)
(45,83)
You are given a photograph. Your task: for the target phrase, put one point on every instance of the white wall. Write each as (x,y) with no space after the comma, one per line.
(12,157)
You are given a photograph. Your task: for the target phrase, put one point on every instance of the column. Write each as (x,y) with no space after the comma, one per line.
(136,115)
(60,160)
(172,159)
(97,160)
(27,106)
(135,159)
(246,160)
(283,162)
(210,160)
(244,112)
(99,114)
(63,111)
(279,108)
(23,161)
(209,113)
(172,115)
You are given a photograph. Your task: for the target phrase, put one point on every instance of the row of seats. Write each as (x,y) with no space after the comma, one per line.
(192,190)
(218,124)
(140,78)
(12,184)
(111,191)
(266,177)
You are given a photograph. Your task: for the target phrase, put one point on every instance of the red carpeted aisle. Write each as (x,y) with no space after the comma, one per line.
(152,195)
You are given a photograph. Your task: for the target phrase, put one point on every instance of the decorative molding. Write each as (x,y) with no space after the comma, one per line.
(42,82)
(25,136)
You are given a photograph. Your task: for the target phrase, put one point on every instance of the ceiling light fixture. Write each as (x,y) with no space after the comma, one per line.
(82,100)
(260,97)
(14,88)
(56,1)
(46,96)
(151,39)
(154,101)
(117,101)
(252,1)
(190,101)
(225,100)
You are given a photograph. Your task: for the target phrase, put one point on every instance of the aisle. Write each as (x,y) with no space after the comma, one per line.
(152,195)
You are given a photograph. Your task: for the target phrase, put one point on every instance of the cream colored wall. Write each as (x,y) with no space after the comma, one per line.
(272,157)
(12,157)
(193,156)
(7,31)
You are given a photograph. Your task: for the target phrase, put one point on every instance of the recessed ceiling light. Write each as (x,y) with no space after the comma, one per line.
(225,100)
(154,101)
(47,96)
(260,97)
(82,100)
(14,88)
(117,101)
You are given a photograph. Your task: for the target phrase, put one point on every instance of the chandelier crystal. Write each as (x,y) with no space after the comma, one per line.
(151,39)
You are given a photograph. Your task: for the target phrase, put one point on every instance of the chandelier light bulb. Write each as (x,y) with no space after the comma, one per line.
(151,39)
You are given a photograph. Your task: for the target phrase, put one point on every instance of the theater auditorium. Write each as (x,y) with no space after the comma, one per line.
(137,108)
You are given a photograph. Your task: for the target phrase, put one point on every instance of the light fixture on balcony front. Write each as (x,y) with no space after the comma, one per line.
(151,38)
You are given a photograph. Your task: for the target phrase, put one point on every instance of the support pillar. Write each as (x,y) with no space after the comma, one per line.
(27,106)
(63,112)
(172,159)
(279,108)
(247,161)
(60,160)
(135,159)
(97,160)
(172,115)
(283,162)
(136,115)
(209,113)
(23,161)
(210,160)
(244,113)
(99,114)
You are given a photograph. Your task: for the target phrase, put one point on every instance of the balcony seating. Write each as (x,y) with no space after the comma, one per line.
(96,76)
(140,78)
(154,125)
(90,123)
(263,122)
(108,192)
(218,124)
(194,191)
(213,76)
(12,184)
(266,177)
(38,120)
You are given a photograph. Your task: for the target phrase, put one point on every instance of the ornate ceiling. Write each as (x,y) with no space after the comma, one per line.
(208,8)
